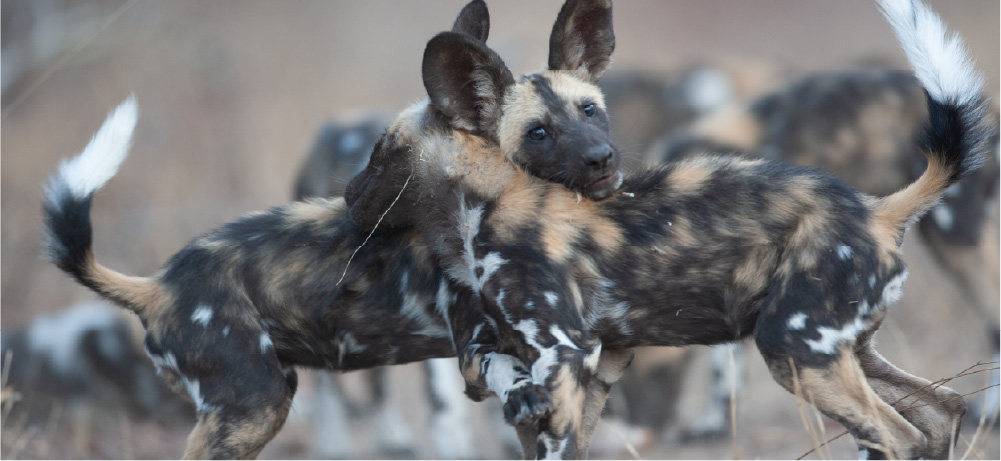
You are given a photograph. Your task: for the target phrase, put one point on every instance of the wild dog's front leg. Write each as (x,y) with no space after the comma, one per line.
(568,369)
(486,371)
(611,366)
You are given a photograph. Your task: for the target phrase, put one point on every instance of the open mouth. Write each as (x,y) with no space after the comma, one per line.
(604,181)
(602,187)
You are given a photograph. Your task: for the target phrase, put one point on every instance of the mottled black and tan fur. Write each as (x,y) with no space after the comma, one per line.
(864,126)
(229,316)
(514,182)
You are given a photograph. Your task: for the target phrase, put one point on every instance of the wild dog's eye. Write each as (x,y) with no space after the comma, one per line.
(537,134)
(589,109)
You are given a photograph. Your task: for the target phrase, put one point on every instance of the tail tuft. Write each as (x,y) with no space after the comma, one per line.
(939,59)
(99,161)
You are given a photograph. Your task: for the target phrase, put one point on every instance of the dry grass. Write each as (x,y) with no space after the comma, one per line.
(983,427)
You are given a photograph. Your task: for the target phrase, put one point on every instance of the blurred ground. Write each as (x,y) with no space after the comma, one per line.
(231,94)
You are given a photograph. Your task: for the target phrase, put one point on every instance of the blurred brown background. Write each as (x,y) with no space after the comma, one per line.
(231,94)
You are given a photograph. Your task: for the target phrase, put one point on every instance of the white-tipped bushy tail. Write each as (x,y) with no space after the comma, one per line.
(939,59)
(99,161)
(66,210)
(957,136)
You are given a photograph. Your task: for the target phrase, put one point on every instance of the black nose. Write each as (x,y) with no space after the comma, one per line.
(598,156)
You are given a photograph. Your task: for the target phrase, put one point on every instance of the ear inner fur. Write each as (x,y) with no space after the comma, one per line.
(465,81)
(582,38)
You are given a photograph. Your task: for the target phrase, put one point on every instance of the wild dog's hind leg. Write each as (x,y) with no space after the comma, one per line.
(840,391)
(936,411)
(813,355)
(239,428)
(231,371)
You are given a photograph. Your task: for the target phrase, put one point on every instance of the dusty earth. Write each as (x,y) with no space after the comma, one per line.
(231,94)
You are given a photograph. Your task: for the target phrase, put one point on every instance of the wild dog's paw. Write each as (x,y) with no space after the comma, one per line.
(527,403)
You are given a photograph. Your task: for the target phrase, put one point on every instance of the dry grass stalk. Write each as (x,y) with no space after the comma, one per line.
(20,442)
(983,426)
(823,430)
(625,440)
(383,215)
(873,401)
(969,448)
(18,430)
(8,395)
(798,392)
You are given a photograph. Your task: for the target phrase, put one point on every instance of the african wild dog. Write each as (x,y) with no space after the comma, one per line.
(863,125)
(514,184)
(229,316)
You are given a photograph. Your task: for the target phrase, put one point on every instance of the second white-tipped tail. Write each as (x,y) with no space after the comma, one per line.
(939,59)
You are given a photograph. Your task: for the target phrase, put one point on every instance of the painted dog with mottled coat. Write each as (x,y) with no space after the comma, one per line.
(863,125)
(514,184)
(230,316)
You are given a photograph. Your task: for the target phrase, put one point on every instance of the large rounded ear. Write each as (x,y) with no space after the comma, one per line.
(466,81)
(473,20)
(582,38)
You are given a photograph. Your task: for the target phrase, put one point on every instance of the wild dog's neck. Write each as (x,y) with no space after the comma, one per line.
(442,153)
(481,166)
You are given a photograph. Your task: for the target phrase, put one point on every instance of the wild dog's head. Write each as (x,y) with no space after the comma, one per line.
(552,123)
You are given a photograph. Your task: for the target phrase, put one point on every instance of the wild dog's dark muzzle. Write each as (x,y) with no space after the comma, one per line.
(599,168)
(599,156)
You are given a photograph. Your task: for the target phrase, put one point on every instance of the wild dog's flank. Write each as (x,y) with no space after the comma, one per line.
(703,251)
